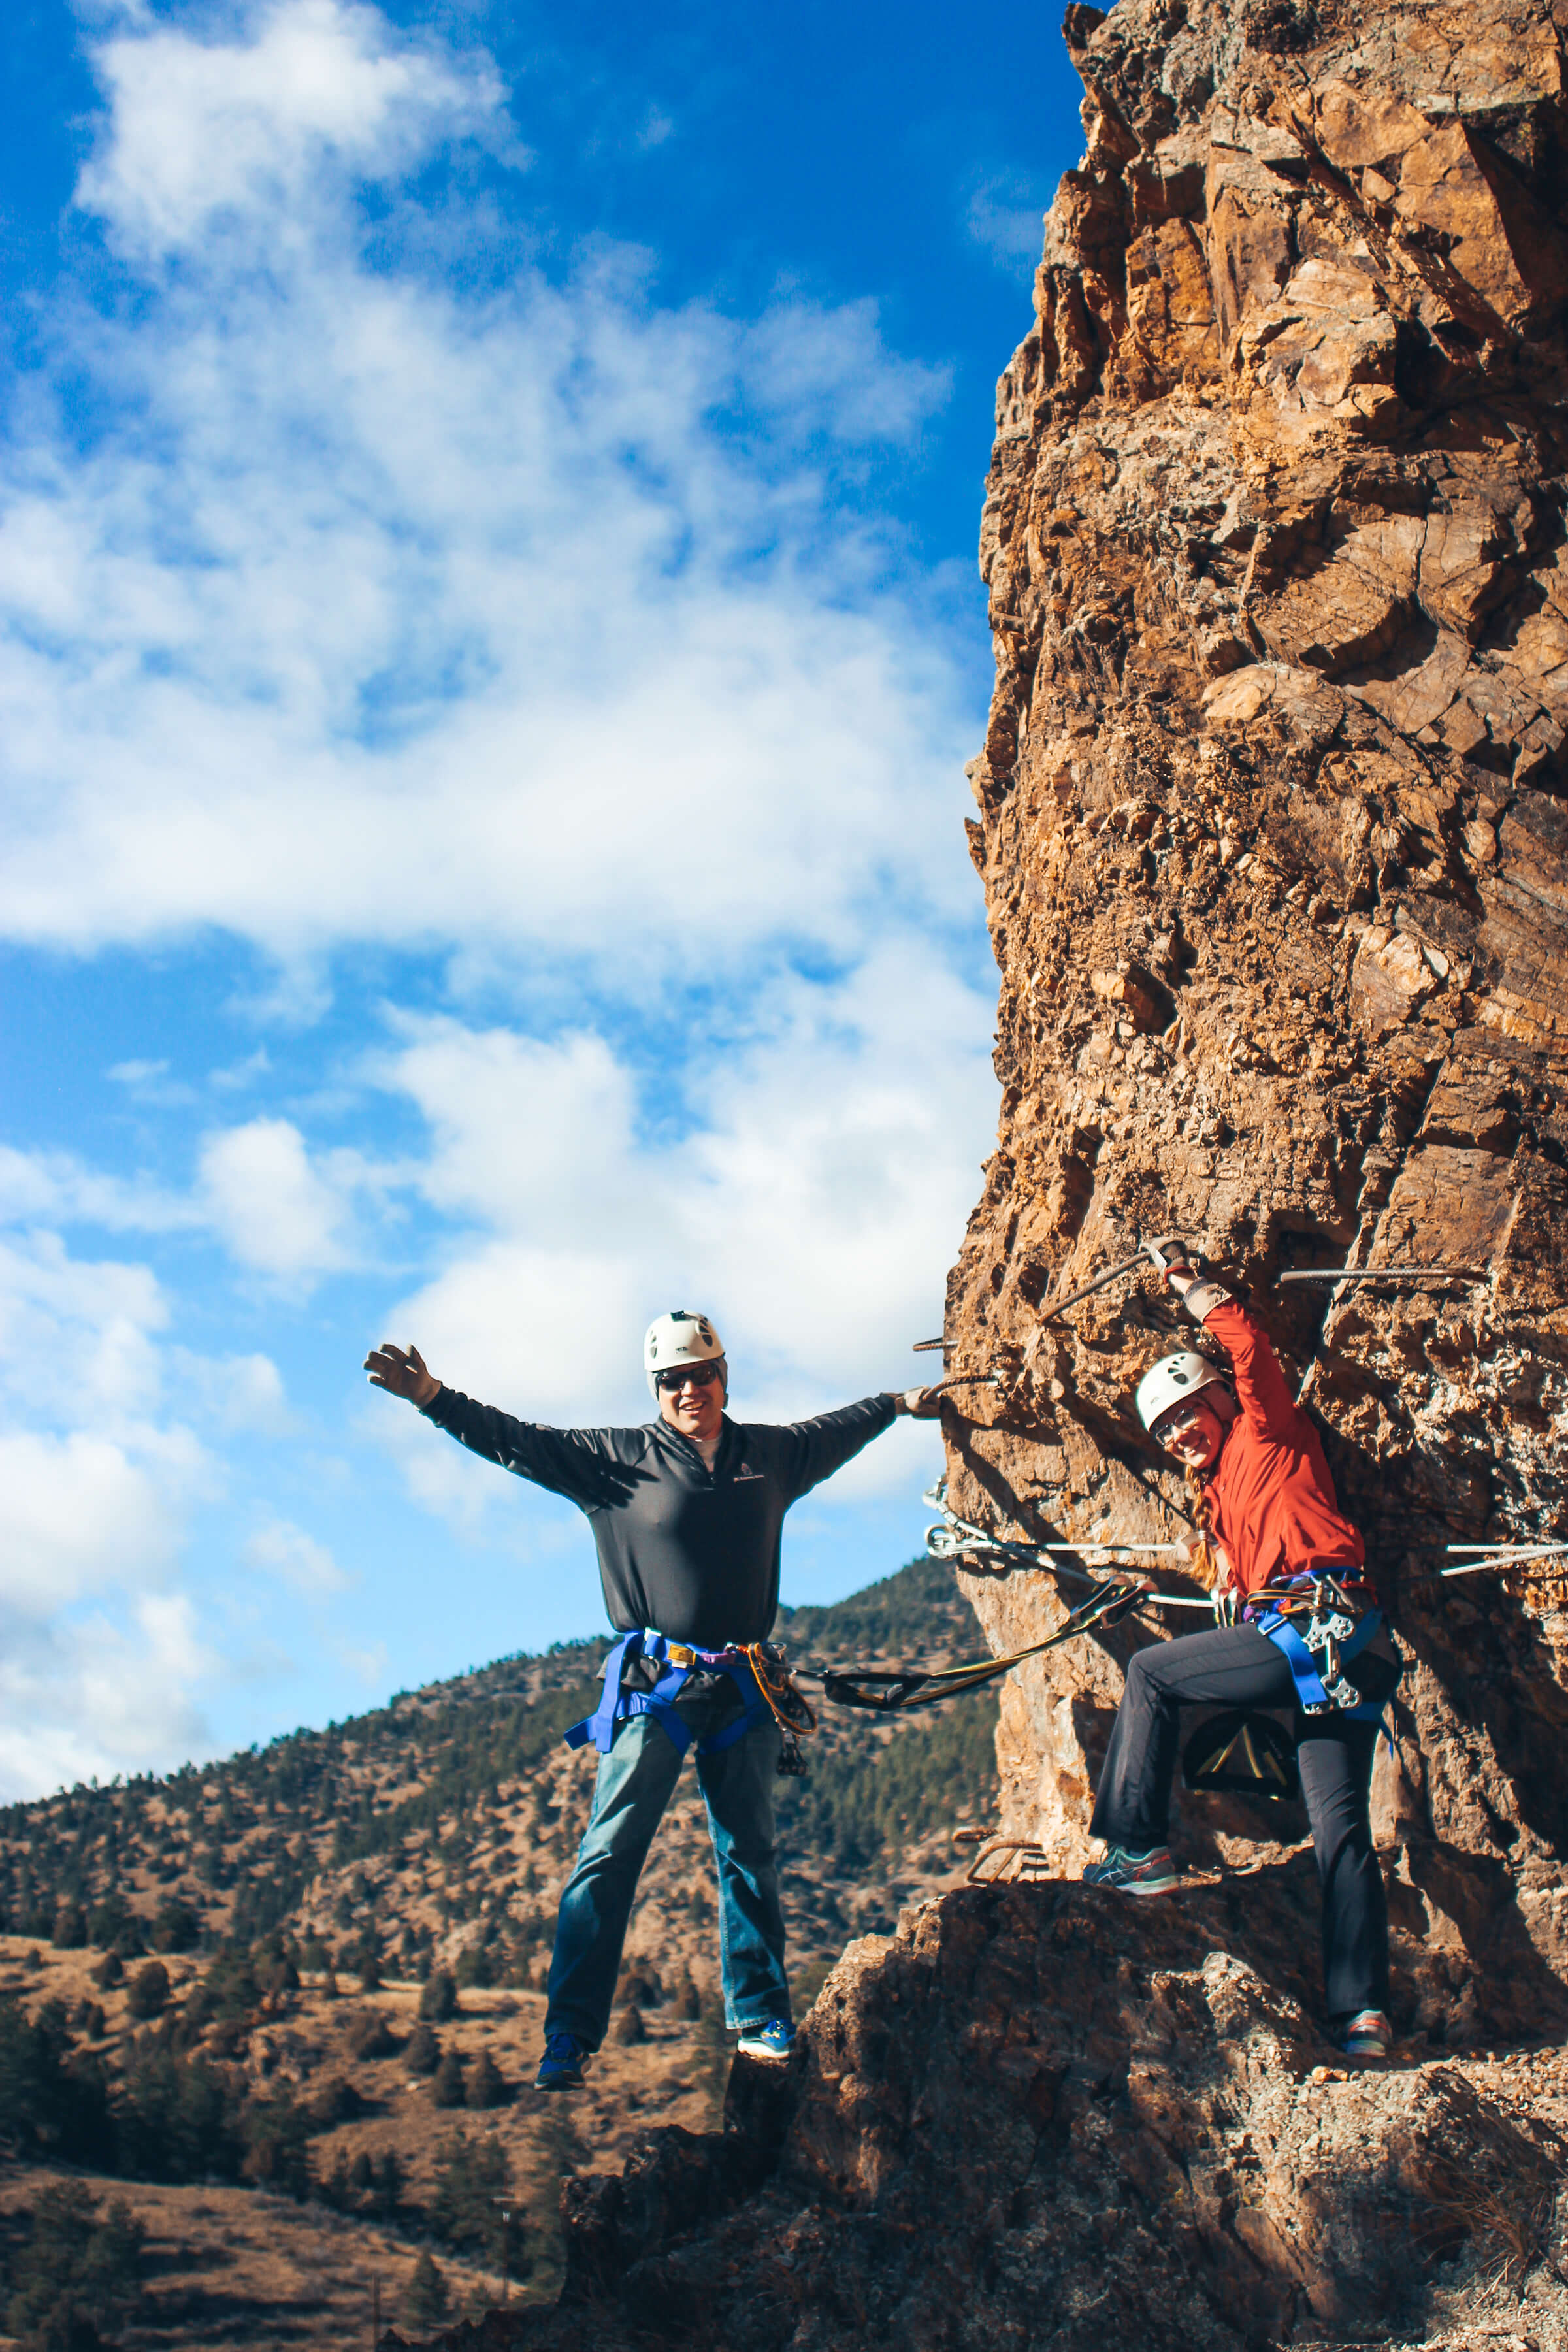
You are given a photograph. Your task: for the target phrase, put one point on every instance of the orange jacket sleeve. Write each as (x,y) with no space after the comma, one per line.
(1261,1388)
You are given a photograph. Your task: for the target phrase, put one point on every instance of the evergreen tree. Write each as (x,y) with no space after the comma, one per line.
(426,2298)
(446,2084)
(77,2275)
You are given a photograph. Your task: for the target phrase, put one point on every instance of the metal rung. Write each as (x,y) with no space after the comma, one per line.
(1385,1274)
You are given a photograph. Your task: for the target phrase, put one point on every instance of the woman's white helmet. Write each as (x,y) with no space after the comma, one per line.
(678,1337)
(1172,1380)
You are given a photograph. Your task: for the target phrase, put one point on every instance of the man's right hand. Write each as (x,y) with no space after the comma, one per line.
(403,1372)
(924,1404)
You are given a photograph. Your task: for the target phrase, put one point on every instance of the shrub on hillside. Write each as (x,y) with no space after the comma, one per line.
(51,2104)
(281,1979)
(364,1958)
(77,2275)
(176,1927)
(147,1994)
(115,1927)
(470,2174)
(484,2087)
(67,1932)
(273,2132)
(176,2118)
(446,2082)
(228,1994)
(423,2053)
(438,2001)
(108,1971)
(331,2103)
(369,2036)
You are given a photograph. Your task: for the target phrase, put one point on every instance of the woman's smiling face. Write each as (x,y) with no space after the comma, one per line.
(1195,1432)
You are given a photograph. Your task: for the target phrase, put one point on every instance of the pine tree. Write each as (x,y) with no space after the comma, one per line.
(426,2298)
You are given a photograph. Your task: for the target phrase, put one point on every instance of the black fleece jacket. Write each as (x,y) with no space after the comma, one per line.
(690,1551)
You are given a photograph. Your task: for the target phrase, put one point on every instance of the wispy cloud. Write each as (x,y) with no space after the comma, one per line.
(1003,213)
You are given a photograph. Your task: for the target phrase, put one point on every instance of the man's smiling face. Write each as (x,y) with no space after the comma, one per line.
(691,1398)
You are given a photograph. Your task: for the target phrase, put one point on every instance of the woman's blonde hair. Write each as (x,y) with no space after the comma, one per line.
(1202,1563)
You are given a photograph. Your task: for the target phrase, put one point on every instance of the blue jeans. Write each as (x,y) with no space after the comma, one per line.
(636,1783)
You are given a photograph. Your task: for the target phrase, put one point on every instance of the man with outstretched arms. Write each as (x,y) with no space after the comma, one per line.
(1305,1630)
(687,1512)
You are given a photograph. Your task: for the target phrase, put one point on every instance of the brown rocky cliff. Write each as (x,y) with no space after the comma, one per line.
(1273,821)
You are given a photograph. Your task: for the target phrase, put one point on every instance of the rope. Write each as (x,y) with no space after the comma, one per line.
(896,1690)
(787,1704)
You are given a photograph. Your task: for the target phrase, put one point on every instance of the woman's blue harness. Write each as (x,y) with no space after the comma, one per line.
(678,1663)
(1331,1640)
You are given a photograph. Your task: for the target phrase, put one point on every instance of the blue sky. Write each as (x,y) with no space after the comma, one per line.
(489,642)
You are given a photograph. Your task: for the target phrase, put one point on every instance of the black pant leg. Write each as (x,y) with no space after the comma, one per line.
(1335,1756)
(1235,1666)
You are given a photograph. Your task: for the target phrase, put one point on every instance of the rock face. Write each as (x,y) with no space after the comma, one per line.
(1034,2120)
(1273,821)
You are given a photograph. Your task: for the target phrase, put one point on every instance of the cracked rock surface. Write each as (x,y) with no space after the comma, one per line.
(1273,822)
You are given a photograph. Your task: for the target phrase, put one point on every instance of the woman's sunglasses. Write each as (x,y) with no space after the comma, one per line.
(700,1376)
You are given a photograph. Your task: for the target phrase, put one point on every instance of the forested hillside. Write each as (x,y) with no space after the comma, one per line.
(315,1970)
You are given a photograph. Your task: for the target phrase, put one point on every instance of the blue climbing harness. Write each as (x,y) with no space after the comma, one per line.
(678,1663)
(1317,1656)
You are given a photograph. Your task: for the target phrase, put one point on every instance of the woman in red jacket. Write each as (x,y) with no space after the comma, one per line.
(1273,1519)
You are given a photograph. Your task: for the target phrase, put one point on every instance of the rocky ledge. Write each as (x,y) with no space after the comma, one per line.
(1043,2118)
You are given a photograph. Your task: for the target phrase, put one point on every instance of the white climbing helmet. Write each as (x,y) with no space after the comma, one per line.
(678,1337)
(1171,1381)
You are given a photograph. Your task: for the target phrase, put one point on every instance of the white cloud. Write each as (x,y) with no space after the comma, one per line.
(366,1661)
(77,1337)
(97,1696)
(281,1549)
(537,623)
(274,1210)
(98,1652)
(76,1514)
(204,131)
(57,1187)
(818,1186)
(1005,214)
(246,1391)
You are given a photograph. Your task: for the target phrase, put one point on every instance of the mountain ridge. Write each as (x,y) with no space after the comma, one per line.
(352,1927)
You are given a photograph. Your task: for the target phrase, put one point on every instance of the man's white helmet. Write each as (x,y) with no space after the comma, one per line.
(1172,1380)
(678,1337)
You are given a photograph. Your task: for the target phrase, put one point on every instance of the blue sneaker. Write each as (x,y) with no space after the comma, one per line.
(1134,1873)
(773,2040)
(563,2064)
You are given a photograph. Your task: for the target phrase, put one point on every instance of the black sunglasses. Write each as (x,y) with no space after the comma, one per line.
(700,1376)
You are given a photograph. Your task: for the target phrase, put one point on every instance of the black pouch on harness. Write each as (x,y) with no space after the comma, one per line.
(1375,1670)
(1242,1754)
